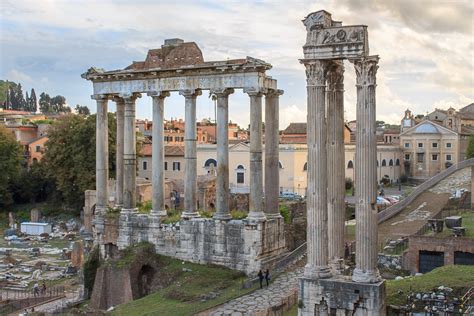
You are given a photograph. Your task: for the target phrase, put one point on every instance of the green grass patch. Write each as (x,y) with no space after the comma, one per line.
(236,214)
(172,216)
(285,212)
(350,232)
(183,294)
(144,207)
(459,278)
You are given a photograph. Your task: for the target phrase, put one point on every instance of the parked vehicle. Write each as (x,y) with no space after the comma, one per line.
(290,196)
(382,201)
(391,199)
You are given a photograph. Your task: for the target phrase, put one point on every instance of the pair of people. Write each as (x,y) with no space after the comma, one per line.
(265,276)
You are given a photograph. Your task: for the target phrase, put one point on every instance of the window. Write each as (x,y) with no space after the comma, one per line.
(448,145)
(397,162)
(166,165)
(448,157)
(176,166)
(145,165)
(407,145)
(434,157)
(240,177)
(384,163)
(210,163)
(434,145)
(38,148)
(390,163)
(350,164)
(420,157)
(407,156)
(305,167)
(420,145)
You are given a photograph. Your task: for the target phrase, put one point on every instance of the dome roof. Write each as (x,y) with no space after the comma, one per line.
(426,128)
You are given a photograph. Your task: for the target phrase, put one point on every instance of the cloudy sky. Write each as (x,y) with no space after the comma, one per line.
(426,47)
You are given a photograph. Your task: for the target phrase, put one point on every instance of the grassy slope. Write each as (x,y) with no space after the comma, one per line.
(460,278)
(182,296)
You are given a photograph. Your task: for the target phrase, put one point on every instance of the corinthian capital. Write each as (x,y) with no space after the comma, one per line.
(366,70)
(316,71)
(222,92)
(335,76)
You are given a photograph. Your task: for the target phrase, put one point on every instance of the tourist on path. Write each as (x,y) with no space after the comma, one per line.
(267,276)
(260,277)
(36,289)
(43,288)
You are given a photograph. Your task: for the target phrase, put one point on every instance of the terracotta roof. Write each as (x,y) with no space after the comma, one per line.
(467,130)
(295,128)
(146,150)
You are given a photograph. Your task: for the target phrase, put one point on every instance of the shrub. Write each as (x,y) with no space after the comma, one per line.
(403,178)
(236,214)
(206,213)
(285,212)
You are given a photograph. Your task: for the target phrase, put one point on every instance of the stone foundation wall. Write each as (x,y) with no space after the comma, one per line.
(390,261)
(236,244)
(447,245)
(341,297)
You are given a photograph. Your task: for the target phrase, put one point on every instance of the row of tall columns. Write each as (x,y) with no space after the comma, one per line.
(325,193)
(126,154)
(366,172)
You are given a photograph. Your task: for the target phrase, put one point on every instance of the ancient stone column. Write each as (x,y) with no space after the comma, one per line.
(158,155)
(472,188)
(336,165)
(101,154)
(119,113)
(366,172)
(256,177)
(129,155)
(222,181)
(190,168)
(272,140)
(317,207)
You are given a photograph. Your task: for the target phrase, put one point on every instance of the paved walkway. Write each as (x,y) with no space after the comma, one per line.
(261,299)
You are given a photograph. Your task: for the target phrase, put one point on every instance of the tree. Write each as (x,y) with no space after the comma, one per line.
(33,101)
(10,164)
(82,110)
(45,103)
(470,148)
(70,156)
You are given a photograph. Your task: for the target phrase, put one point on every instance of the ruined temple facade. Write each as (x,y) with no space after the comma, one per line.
(180,67)
(324,290)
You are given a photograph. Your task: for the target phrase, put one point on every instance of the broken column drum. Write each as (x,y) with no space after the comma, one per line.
(323,289)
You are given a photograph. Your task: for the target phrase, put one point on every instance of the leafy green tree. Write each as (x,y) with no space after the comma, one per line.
(470,148)
(10,164)
(32,102)
(70,156)
(45,103)
(82,110)
(33,184)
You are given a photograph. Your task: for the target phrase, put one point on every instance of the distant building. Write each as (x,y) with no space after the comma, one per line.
(295,133)
(36,149)
(174,162)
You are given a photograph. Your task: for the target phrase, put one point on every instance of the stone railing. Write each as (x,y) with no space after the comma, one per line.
(395,209)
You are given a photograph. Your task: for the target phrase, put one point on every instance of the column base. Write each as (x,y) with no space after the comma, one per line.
(189,215)
(256,217)
(129,210)
(158,213)
(222,217)
(273,215)
(361,276)
(337,266)
(317,272)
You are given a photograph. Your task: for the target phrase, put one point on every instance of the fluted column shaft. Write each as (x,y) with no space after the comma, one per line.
(256,176)
(222,181)
(366,172)
(336,168)
(317,208)
(272,170)
(102,154)
(158,155)
(190,168)
(119,113)
(129,156)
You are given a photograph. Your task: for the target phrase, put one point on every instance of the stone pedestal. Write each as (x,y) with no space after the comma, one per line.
(341,297)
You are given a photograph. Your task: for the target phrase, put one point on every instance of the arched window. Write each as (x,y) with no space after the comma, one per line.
(305,167)
(350,164)
(240,174)
(397,162)
(240,167)
(390,163)
(384,163)
(280,165)
(210,162)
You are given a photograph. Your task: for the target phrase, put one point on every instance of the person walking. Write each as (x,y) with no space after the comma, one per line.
(260,277)
(43,288)
(267,276)
(36,289)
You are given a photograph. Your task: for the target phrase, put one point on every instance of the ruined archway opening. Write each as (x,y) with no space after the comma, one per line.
(145,280)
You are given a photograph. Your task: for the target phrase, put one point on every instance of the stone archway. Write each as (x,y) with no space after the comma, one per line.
(145,280)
